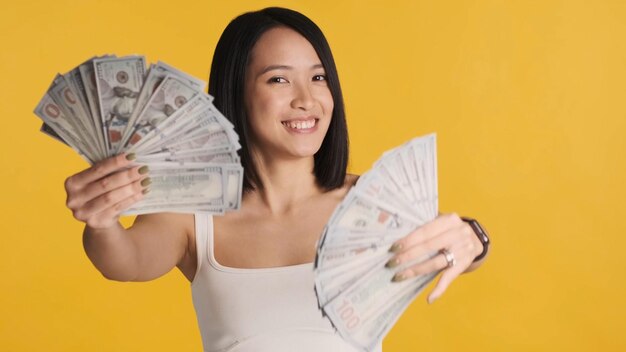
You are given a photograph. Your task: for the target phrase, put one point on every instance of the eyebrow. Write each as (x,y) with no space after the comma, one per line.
(284,67)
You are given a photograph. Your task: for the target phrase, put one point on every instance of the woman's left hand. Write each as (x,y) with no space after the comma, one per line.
(451,237)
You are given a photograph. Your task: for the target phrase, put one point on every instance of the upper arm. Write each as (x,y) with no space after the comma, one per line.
(162,241)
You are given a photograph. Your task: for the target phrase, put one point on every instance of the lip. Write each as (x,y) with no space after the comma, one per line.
(308,119)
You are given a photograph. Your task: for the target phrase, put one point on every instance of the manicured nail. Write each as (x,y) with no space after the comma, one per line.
(146,191)
(144,169)
(431,299)
(395,247)
(392,263)
(131,156)
(146,182)
(398,277)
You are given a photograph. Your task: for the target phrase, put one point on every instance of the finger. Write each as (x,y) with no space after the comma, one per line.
(409,254)
(108,200)
(434,264)
(428,231)
(99,170)
(444,281)
(113,181)
(110,215)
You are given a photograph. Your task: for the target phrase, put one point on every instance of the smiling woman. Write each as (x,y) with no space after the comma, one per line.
(251,271)
(286,96)
(231,72)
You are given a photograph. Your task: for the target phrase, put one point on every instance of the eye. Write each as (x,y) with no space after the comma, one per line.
(277,79)
(319,77)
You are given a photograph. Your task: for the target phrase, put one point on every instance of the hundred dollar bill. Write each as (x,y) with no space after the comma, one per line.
(175,184)
(342,264)
(67,101)
(345,245)
(205,122)
(365,297)
(353,285)
(222,155)
(198,116)
(368,330)
(376,186)
(155,77)
(190,150)
(214,188)
(329,285)
(357,211)
(88,77)
(47,130)
(426,169)
(76,81)
(118,81)
(164,131)
(78,108)
(168,208)
(412,168)
(234,186)
(55,120)
(200,139)
(172,94)
(345,237)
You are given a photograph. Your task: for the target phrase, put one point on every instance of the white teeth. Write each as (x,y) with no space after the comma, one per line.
(299,125)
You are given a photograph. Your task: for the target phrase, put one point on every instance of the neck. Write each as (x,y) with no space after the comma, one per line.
(286,183)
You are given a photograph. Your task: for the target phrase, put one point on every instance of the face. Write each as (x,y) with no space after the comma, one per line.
(287,99)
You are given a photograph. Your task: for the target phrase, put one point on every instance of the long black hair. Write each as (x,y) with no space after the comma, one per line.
(226,85)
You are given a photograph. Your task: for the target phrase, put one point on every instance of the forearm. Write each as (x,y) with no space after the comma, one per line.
(112,251)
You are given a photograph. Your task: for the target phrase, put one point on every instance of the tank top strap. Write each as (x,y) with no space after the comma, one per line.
(204,230)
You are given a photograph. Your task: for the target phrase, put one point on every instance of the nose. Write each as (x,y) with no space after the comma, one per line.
(303,98)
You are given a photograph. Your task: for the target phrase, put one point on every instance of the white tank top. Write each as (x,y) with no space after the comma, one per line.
(258,310)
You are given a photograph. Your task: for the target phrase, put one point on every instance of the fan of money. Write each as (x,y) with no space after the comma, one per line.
(110,105)
(353,285)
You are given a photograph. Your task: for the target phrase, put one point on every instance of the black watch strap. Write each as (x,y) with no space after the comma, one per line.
(481,234)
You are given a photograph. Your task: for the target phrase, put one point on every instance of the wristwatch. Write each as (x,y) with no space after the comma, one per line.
(481,234)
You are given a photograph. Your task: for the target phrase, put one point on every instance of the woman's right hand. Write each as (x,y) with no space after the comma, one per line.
(100,193)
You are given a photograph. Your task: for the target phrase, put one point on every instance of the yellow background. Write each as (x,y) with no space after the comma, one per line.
(527,98)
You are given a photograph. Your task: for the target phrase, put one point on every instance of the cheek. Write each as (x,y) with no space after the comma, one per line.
(328,104)
(264,105)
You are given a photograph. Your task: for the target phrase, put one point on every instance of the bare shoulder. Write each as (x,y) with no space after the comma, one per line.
(348,183)
(351,180)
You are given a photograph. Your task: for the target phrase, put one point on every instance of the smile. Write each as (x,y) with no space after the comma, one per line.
(301,126)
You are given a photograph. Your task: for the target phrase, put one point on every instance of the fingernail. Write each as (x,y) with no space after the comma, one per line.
(146,191)
(431,299)
(398,277)
(392,263)
(395,247)
(131,156)
(146,182)
(144,169)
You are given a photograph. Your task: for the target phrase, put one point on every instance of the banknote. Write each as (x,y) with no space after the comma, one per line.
(65,98)
(353,285)
(118,81)
(109,105)
(172,94)
(156,74)
(55,120)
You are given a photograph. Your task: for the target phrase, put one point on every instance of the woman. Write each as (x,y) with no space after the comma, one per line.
(274,76)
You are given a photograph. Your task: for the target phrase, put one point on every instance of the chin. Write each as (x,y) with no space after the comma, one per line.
(304,150)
